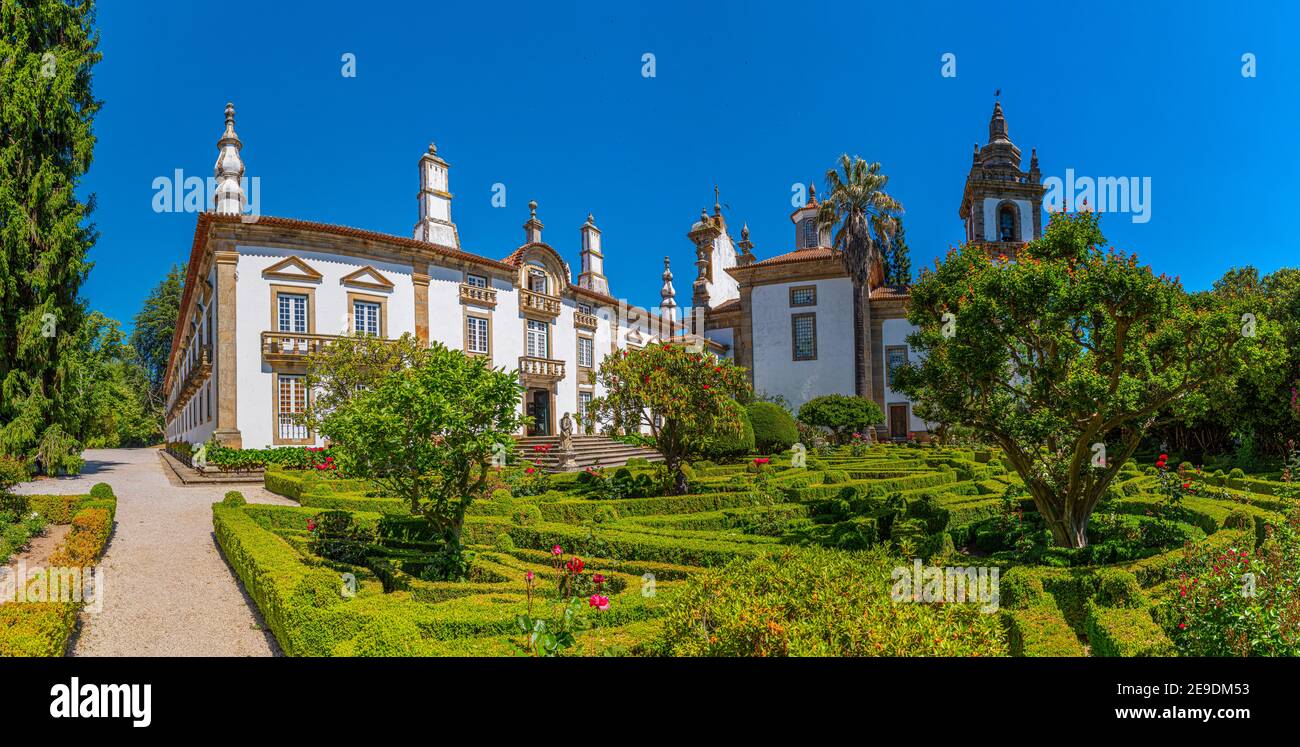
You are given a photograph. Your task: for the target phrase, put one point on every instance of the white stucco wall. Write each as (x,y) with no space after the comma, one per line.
(256,414)
(895,332)
(799,381)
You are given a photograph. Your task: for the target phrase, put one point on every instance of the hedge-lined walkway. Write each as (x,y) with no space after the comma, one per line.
(168,591)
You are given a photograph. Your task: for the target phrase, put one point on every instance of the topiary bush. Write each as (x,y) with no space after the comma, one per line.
(774,429)
(234,498)
(722,447)
(842,414)
(102,490)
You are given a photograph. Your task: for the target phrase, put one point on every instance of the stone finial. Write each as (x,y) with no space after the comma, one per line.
(746,247)
(229,198)
(533,227)
(812,193)
(668,294)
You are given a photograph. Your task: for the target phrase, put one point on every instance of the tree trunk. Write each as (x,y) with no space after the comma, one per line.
(862,341)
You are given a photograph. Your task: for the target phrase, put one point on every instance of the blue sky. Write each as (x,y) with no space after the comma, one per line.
(549,100)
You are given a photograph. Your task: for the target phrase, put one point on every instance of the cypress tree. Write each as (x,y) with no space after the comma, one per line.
(47,51)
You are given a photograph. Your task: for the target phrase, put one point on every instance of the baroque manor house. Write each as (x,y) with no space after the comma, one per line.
(262,293)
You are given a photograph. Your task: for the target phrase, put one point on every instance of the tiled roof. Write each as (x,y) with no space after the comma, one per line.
(798,255)
(726,306)
(891,291)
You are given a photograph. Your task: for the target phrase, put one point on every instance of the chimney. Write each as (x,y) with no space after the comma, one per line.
(593,260)
(435,224)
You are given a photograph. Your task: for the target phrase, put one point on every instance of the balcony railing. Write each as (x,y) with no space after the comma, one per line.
(538,303)
(584,320)
(476,295)
(292,346)
(540,369)
(200,368)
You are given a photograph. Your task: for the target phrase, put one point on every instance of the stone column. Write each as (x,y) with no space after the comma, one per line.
(420,278)
(227,369)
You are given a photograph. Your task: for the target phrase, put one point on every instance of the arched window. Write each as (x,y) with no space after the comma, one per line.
(810,238)
(1007,223)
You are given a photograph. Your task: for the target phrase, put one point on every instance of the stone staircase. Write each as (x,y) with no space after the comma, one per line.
(588,451)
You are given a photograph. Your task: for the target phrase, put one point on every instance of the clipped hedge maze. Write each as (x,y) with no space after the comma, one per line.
(942,504)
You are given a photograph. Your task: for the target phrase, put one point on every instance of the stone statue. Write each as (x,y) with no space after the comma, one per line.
(566,456)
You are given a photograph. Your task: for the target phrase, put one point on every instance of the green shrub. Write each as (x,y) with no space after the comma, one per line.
(725,447)
(504,543)
(527,514)
(101,490)
(1237,473)
(12,472)
(812,602)
(842,414)
(1040,631)
(1125,632)
(774,428)
(233,498)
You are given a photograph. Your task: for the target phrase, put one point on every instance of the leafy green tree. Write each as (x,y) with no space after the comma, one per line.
(348,366)
(1066,349)
(867,218)
(151,337)
(111,404)
(898,262)
(684,399)
(47,51)
(427,434)
(843,415)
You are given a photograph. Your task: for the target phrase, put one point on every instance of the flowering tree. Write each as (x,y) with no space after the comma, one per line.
(427,435)
(680,397)
(1066,357)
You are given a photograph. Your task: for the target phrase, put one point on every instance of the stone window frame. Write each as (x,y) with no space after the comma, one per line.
(353,297)
(276,439)
(578,351)
(470,277)
(295,290)
(889,373)
(550,343)
(794,336)
(797,288)
(486,319)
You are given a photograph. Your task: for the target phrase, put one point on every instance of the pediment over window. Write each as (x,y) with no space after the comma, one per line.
(369,278)
(292,268)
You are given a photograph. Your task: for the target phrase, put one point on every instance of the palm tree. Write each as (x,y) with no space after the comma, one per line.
(867,218)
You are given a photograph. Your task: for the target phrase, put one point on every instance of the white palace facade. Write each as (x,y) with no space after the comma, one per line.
(262,293)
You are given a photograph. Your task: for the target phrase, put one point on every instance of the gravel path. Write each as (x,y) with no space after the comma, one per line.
(168,590)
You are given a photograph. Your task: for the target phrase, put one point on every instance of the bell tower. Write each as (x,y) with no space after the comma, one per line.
(1002,206)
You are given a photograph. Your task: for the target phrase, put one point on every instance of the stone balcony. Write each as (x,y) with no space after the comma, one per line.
(199,369)
(585,321)
(290,347)
(532,302)
(540,370)
(478,296)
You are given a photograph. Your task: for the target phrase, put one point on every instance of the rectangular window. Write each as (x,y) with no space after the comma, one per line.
(803,328)
(803,296)
(536,281)
(584,404)
(478,281)
(537,342)
(895,356)
(293,313)
(586,351)
(584,307)
(291,400)
(476,335)
(365,318)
